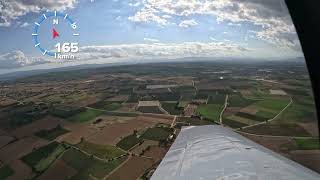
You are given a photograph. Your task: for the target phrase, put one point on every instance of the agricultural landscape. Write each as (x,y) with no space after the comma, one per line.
(118,122)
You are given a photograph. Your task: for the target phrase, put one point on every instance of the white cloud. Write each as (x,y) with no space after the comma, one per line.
(188,23)
(24,24)
(13,9)
(271,15)
(148,16)
(18,59)
(151,40)
(164,50)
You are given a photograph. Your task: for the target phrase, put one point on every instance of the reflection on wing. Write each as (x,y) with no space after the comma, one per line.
(215,152)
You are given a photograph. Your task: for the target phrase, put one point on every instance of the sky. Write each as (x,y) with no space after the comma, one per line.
(114,31)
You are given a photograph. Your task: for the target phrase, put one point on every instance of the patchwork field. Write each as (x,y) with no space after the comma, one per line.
(210,111)
(41,158)
(88,167)
(278,130)
(101,151)
(188,121)
(141,148)
(20,148)
(172,108)
(129,142)
(77,132)
(58,170)
(157,133)
(52,133)
(118,122)
(5,172)
(132,169)
(112,133)
(86,115)
(47,123)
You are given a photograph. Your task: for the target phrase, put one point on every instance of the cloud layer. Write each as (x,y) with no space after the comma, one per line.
(150,50)
(164,50)
(12,9)
(271,16)
(16,59)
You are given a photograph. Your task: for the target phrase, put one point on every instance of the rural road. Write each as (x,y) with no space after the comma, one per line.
(224,108)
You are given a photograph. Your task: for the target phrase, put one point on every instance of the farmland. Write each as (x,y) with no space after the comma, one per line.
(129,142)
(41,158)
(5,172)
(87,166)
(112,122)
(52,133)
(210,111)
(86,115)
(101,151)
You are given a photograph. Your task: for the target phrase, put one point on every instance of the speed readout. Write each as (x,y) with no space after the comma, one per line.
(55,34)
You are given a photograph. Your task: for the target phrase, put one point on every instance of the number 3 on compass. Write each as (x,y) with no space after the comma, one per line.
(52,37)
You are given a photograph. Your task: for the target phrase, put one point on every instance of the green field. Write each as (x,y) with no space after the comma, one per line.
(236,100)
(210,111)
(86,115)
(65,111)
(307,144)
(278,130)
(233,124)
(108,106)
(52,133)
(101,151)
(40,159)
(166,96)
(157,133)
(150,109)
(252,117)
(87,166)
(123,114)
(44,163)
(172,108)
(297,113)
(22,114)
(128,142)
(274,104)
(217,99)
(5,172)
(265,114)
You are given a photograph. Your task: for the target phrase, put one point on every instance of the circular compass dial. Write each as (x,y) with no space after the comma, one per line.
(55,34)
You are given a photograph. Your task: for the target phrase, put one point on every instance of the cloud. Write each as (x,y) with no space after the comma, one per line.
(24,24)
(271,16)
(164,50)
(18,59)
(151,40)
(148,16)
(188,23)
(13,9)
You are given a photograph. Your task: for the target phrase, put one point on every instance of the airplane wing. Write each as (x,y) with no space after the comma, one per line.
(216,152)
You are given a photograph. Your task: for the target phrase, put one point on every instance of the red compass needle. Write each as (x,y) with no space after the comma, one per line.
(54,33)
